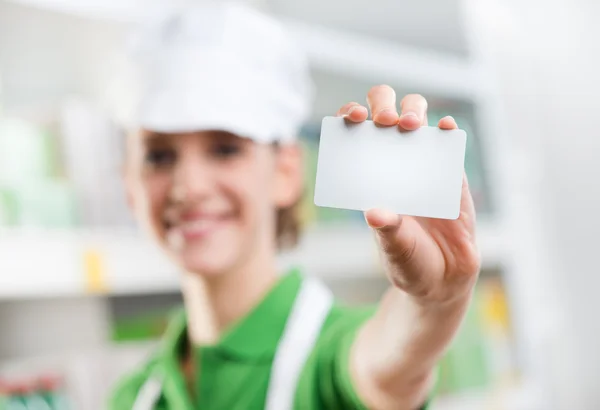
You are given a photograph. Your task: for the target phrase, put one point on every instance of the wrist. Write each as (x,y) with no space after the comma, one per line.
(454,303)
(445,297)
(434,325)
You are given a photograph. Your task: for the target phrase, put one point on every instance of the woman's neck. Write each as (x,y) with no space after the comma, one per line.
(213,304)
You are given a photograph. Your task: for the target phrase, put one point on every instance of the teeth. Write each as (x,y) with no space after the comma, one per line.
(198,225)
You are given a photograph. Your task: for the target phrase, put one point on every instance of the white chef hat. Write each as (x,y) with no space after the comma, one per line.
(221,66)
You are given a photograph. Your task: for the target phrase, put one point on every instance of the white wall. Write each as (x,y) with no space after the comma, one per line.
(53,326)
(547,59)
(45,56)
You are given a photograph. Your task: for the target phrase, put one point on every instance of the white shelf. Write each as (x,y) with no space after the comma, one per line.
(523,397)
(54,264)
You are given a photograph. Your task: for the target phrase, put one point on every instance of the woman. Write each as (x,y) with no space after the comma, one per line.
(214,174)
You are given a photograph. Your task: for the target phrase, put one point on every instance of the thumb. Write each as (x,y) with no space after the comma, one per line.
(404,248)
(397,244)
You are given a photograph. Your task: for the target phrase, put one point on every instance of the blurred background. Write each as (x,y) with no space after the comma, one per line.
(83,296)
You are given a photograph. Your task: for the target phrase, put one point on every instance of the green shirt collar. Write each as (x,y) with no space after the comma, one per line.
(255,336)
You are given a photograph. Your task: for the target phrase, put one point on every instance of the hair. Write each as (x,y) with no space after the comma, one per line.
(288,226)
(288,222)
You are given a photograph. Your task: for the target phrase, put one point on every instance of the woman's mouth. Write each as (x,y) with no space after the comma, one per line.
(197,227)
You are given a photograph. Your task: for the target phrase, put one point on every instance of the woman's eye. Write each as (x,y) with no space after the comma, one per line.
(160,157)
(225,150)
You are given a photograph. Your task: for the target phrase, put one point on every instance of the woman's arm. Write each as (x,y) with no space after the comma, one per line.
(432,264)
(394,354)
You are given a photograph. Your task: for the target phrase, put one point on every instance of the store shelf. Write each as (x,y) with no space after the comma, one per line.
(120,261)
(74,262)
(68,263)
(523,397)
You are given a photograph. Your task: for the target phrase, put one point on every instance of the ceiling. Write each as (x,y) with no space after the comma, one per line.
(430,24)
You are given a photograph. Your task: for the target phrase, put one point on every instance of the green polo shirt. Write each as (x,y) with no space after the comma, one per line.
(234,373)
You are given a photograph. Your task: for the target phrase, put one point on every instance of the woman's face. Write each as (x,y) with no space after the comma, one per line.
(210,197)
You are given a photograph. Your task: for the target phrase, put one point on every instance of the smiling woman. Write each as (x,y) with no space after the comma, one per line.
(202,194)
(213,174)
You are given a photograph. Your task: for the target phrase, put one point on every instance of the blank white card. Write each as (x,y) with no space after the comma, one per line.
(363,166)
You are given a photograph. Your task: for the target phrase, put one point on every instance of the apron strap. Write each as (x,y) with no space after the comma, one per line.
(149,393)
(311,308)
(302,329)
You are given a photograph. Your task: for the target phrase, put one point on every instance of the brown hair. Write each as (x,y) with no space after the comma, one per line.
(288,226)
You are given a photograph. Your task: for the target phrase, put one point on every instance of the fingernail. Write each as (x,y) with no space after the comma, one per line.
(386,110)
(347,114)
(409,114)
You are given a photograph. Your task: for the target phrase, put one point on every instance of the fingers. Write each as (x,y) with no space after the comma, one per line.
(447,123)
(414,112)
(409,256)
(354,112)
(382,102)
(381,219)
(467,206)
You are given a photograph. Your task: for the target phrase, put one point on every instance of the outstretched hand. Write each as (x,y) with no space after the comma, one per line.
(433,260)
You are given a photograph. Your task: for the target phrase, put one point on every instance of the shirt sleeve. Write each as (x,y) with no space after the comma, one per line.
(337,387)
(334,385)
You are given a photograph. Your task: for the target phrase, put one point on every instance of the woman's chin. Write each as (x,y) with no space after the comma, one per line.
(208,266)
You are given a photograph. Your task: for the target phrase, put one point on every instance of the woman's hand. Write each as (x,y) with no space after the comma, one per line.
(432,264)
(433,260)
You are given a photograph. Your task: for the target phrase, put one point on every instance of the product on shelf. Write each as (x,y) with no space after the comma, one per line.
(93,150)
(44,393)
(17,394)
(49,203)
(50,388)
(464,366)
(4,395)
(43,203)
(34,400)
(32,192)
(496,326)
(54,179)
(481,354)
(9,206)
(28,152)
(308,211)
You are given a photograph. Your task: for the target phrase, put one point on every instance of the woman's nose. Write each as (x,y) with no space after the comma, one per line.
(192,179)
